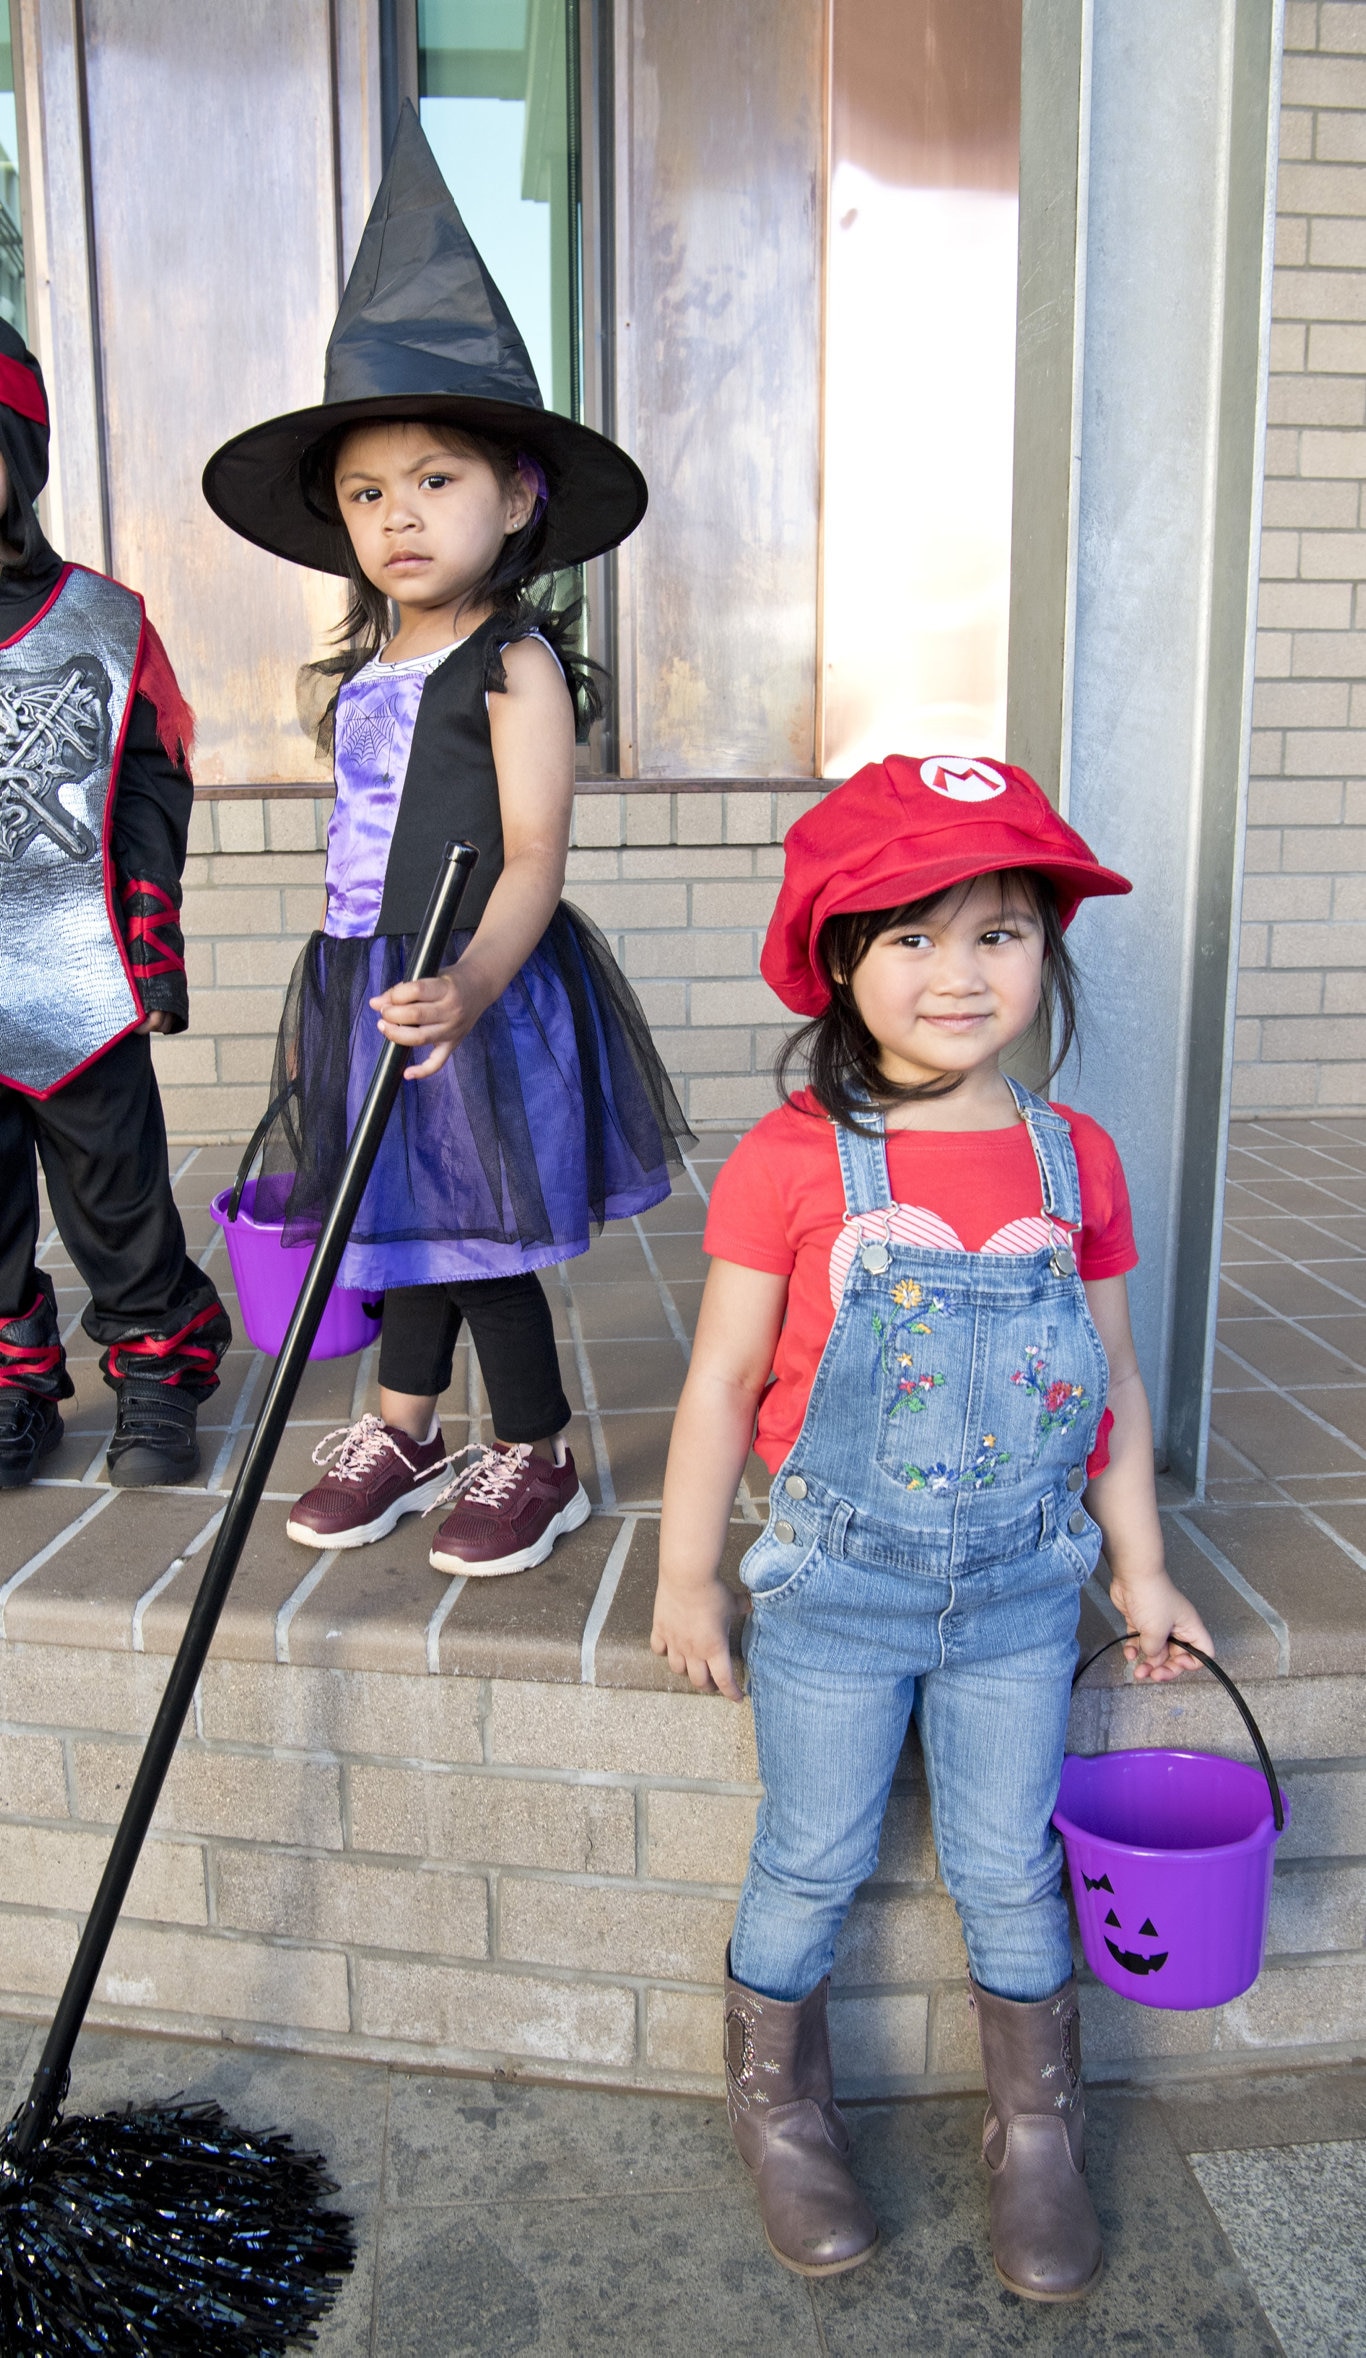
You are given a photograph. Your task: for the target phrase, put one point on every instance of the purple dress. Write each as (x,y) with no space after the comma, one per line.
(553,1114)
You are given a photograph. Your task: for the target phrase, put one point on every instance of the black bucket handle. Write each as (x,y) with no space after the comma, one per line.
(1268,1770)
(256,1142)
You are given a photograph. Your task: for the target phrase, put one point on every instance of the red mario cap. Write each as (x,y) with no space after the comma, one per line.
(904,828)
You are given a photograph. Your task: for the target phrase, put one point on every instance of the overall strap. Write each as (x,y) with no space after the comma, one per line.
(863,1167)
(1051,1139)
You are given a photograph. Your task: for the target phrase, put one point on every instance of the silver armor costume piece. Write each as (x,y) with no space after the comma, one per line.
(65,688)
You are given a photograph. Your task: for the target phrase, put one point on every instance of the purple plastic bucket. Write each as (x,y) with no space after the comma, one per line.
(1170,1857)
(268,1275)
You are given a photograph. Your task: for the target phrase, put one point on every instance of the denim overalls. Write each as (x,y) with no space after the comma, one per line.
(925,1551)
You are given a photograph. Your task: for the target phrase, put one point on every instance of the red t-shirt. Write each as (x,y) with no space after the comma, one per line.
(778,1205)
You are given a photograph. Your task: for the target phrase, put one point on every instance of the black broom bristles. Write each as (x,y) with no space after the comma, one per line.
(165,2232)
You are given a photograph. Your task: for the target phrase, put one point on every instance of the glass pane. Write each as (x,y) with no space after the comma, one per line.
(11,232)
(919,376)
(499,104)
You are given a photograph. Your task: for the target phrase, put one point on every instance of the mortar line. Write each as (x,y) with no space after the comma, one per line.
(603,1601)
(675,1324)
(692,1174)
(285,1617)
(1290,1399)
(149,1595)
(1214,1554)
(236,1421)
(54,1548)
(606,1485)
(437,1623)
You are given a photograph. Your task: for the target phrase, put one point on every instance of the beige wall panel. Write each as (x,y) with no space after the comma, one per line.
(720,138)
(213,182)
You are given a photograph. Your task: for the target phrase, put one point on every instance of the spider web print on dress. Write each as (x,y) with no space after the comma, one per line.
(366,726)
(913,1224)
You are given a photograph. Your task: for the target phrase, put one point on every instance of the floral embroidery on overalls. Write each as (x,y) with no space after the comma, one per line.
(1063,1402)
(912,1384)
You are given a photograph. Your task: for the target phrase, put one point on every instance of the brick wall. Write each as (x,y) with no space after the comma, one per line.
(1301,1035)
(681,884)
(541,1877)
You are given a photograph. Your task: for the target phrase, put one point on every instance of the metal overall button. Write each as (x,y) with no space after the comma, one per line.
(1063,1261)
(1076,1479)
(795,1486)
(875,1258)
(784,1532)
(1076,1523)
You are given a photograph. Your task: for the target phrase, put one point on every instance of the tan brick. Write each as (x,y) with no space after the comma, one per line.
(592,867)
(1333,556)
(699,1837)
(200,840)
(683,2032)
(1270,993)
(1340,139)
(878,2042)
(197,1974)
(198,967)
(749,818)
(699,1051)
(239,1794)
(494,2014)
(202,1116)
(734,903)
(1311,295)
(1299,2006)
(240,827)
(1314,704)
(344,1900)
(1274,651)
(1301,1719)
(268,872)
(1275,1088)
(701,818)
(900,1940)
(788,808)
(734,1001)
(1301,25)
(1286,349)
(674,1936)
(221,910)
(61,1687)
(1291,243)
(1324,507)
(618,906)
(1319,401)
(1305,802)
(1321,81)
(1281,450)
(1247,1041)
(238,1011)
(648,816)
(342,1711)
(1349,899)
(1282,897)
(184,1058)
(1344,994)
(663,1003)
(1340,26)
(1341,1088)
(619,1731)
(59,1868)
(1318,945)
(1262,850)
(292,822)
(1279,559)
(1324,848)
(1320,753)
(1288,1038)
(738,1101)
(598,821)
(301,907)
(494,1821)
(32,1777)
(256,964)
(699,952)
(35,1953)
(1334,245)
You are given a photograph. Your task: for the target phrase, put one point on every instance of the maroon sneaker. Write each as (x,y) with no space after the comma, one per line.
(375,1474)
(509,1512)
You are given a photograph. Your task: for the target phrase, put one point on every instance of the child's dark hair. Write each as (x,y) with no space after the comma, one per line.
(840,1055)
(516,584)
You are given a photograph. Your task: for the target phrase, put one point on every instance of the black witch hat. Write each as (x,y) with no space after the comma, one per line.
(422,332)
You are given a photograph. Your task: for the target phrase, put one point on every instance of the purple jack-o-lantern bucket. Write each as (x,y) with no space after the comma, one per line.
(1170,1857)
(268,1274)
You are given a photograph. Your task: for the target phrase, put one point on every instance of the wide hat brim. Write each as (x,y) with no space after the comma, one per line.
(254,483)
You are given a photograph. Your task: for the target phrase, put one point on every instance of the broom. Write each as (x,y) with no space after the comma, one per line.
(169,2230)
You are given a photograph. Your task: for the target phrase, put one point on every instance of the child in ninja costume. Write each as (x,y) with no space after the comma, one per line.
(929,1260)
(95,798)
(434,481)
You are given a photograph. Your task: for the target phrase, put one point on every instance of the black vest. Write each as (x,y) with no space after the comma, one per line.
(450,790)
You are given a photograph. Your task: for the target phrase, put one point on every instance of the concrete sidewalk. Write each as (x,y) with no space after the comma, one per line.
(496,2218)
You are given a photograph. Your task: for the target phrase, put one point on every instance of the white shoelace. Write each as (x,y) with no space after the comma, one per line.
(354,1450)
(491,1480)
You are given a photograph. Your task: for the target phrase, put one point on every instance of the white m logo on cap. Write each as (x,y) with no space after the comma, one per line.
(963,781)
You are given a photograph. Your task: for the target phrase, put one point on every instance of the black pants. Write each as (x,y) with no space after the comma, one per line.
(102,1140)
(510,1327)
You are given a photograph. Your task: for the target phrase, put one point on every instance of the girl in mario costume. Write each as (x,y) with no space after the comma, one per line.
(918,1282)
(95,799)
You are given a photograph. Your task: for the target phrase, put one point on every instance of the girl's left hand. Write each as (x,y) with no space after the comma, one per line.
(1155,1609)
(434,1015)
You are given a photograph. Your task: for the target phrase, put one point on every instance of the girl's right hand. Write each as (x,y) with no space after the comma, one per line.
(692,1628)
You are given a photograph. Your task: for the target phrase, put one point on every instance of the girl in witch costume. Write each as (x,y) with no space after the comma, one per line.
(432,478)
(95,798)
(930,1262)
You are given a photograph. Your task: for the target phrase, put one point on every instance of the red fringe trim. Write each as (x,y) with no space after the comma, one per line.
(158,683)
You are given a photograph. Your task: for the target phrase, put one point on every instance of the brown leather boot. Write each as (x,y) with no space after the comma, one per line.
(788,2134)
(1044,2236)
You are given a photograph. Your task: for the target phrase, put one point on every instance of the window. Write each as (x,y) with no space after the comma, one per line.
(12,305)
(500,104)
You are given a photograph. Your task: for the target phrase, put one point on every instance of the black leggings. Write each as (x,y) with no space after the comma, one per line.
(510,1326)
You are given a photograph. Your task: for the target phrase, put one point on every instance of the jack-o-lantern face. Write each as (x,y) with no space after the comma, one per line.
(1132,1960)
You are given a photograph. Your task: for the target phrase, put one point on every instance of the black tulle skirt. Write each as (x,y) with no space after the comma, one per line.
(553,1115)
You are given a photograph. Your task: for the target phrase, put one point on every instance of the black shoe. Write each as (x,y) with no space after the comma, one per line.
(154,1435)
(30,1429)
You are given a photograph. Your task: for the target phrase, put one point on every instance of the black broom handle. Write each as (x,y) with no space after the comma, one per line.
(50,2079)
